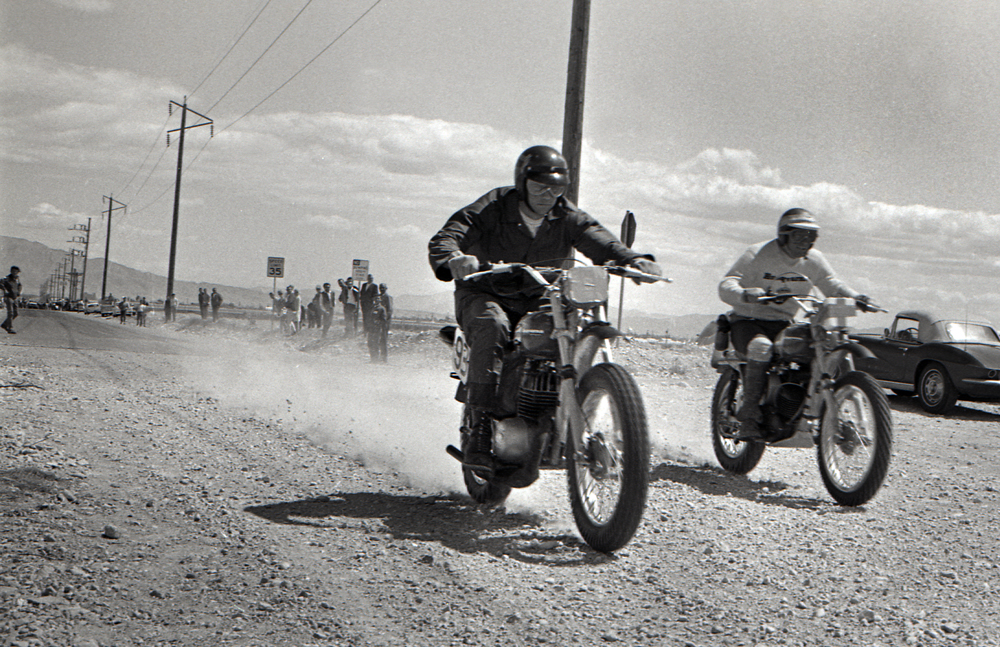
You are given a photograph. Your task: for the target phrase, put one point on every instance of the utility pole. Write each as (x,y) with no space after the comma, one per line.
(86,252)
(107,242)
(177,188)
(576,77)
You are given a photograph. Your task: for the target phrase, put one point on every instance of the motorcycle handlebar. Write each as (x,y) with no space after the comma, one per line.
(492,269)
(864,306)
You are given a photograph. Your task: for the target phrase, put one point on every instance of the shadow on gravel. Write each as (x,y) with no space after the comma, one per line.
(454,523)
(716,482)
(912,405)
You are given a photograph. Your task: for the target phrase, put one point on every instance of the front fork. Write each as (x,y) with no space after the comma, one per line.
(575,357)
(827,365)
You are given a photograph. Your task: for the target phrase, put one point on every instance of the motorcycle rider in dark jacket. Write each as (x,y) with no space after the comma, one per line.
(530,222)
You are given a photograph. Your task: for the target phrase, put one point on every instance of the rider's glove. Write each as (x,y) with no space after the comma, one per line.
(750,295)
(647,266)
(462,265)
(863,301)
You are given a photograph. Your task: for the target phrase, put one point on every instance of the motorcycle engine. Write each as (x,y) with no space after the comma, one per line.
(514,440)
(539,390)
(789,399)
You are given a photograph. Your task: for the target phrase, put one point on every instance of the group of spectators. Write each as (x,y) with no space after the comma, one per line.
(371,299)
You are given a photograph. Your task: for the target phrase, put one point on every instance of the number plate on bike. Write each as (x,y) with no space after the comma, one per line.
(586,286)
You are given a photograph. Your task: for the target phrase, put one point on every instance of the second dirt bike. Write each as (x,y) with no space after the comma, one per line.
(556,408)
(813,397)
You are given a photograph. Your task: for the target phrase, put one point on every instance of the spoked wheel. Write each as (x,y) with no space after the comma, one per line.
(609,472)
(855,440)
(735,456)
(481,490)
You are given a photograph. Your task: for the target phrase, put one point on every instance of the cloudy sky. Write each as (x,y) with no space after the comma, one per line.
(353,129)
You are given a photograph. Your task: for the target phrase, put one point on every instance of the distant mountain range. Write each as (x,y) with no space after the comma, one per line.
(39,262)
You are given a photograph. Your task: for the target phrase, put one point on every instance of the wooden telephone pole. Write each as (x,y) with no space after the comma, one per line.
(107,241)
(576,77)
(177,191)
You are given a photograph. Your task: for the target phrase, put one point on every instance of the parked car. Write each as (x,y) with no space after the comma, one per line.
(92,307)
(33,305)
(939,360)
(109,307)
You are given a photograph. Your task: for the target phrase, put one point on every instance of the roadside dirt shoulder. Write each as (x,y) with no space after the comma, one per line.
(141,507)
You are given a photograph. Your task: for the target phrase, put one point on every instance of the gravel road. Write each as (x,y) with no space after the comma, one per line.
(230,486)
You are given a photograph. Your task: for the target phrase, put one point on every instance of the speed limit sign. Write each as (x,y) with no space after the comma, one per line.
(275,267)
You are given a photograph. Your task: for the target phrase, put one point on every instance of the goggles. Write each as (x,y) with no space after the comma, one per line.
(537,189)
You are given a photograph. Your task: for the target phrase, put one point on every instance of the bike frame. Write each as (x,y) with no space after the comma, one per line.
(575,357)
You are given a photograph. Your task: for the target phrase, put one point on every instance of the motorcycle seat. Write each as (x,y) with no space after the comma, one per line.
(448,334)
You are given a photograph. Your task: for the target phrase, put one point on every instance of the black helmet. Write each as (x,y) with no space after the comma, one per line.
(542,164)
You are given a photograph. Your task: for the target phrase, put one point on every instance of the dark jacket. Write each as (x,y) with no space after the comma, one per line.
(11,287)
(491,229)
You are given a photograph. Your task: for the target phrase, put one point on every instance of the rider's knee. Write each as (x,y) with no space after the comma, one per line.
(759,349)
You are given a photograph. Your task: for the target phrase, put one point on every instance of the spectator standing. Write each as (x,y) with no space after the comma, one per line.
(315,309)
(122,310)
(368,294)
(381,319)
(326,307)
(203,300)
(216,301)
(140,312)
(294,305)
(11,286)
(349,296)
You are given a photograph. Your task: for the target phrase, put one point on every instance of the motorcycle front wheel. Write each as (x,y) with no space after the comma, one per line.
(855,440)
(481,490)
(735,456)
(608,472)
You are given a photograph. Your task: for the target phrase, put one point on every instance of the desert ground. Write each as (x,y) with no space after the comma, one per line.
(222,484)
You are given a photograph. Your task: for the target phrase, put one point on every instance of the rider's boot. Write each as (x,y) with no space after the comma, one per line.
(749,415)
(479,451)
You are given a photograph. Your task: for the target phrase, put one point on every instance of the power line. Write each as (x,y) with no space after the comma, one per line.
(260,103)
(252,65)
(148,153)
(310,62)
(231,47)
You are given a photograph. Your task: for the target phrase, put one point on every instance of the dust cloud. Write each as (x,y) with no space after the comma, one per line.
(397,417)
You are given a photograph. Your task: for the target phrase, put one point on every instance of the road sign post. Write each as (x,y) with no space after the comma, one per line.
(275,270)
(359,271)
(628,237)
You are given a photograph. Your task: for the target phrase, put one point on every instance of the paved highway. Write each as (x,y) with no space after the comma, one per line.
(77,331)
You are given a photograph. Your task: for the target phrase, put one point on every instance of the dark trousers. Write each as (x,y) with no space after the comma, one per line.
(11,304)
(378,338)
(487,320)
(743,330)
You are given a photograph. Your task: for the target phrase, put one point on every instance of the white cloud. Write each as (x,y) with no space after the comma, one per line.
(86,6)
(331,222)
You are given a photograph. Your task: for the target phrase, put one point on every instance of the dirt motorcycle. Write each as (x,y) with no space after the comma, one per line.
(813,396)
(557,409)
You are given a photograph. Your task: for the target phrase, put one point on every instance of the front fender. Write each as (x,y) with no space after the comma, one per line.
(856,349)
(591,339)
